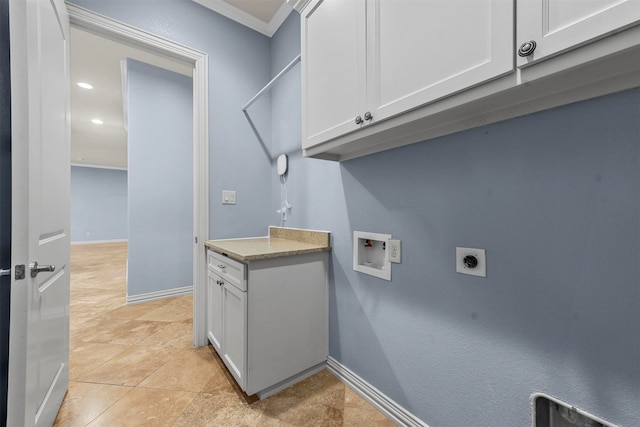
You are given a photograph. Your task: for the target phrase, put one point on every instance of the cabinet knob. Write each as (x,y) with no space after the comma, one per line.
(358,120)
(368,116)
(221,266)
(527,48)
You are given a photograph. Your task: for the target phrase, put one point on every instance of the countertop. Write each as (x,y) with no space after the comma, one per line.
(280,242)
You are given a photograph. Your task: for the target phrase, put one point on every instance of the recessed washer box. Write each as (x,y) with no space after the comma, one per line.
(370,254)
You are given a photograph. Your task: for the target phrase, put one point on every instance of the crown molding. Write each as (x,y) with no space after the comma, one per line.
(298,5)
(246,19)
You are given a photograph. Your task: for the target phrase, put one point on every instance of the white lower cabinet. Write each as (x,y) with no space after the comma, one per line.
(268,319)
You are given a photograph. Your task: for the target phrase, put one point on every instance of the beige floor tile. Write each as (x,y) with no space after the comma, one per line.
(357,417)
(217,411)
(134,311)
(131,367)
(84,402)
(176,334)
(84,357)
(188,370)
(322,388)
(176,310)
(97,329)
(220,383)
(290,411)
(134,331)
(145,407)
(95,308)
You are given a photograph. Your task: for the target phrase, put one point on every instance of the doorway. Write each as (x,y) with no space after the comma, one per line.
(115,31)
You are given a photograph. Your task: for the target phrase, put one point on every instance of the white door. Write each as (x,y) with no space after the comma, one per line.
(39,329)
(420,51)
(214,310)
(234,335)
(559,25)
(333,69)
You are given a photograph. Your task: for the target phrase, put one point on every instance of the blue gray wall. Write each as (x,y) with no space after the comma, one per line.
(98,204)
(160,179)
(5,204)
(238,68)
(554,199)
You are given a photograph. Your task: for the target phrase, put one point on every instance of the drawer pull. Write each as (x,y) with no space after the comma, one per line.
(222,266)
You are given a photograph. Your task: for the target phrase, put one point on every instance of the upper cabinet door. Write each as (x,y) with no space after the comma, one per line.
(558,25)
(333,69)
(420,51)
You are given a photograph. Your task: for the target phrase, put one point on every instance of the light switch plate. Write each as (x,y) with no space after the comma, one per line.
(479,254)
(228,197)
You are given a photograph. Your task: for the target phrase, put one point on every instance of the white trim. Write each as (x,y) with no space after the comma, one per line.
(152,296)
(99,167)
(240,16)
(592,417)
(114,30)
(278,19)
(98,242)
(379,400)
(298,5)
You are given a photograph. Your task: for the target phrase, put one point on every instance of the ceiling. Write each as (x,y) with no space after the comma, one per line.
(96,60)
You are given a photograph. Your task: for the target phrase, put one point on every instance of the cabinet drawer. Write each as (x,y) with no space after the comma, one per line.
(232,271)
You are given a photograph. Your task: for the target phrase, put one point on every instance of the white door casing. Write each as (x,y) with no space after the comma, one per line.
(39,328)
(114,30)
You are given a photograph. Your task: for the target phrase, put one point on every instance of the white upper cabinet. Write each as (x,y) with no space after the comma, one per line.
(368,60)
(380,74)
(420,51)
(334,68)
(556,26)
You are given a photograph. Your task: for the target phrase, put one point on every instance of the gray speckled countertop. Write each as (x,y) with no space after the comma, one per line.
(280,242)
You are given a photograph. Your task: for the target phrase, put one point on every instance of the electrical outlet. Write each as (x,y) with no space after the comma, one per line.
(394,252)
(471,261)
(228,197)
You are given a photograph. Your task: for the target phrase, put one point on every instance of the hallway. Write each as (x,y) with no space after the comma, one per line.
(134,365)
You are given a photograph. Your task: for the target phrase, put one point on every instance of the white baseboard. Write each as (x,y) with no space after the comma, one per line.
(379,400)
(152,296)
(97,242)
(263,394)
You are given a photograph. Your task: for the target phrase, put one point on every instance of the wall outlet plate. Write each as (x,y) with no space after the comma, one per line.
(394,251)
(480,268)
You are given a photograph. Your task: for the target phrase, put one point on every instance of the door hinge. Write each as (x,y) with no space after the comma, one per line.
(196,240)
(20,269)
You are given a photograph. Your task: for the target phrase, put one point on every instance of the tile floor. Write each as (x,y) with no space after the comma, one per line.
(134,365)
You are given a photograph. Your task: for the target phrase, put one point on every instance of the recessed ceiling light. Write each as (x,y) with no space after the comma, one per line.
(97,121)
(84,85)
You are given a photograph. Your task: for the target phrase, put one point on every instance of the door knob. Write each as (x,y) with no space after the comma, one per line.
(36,268)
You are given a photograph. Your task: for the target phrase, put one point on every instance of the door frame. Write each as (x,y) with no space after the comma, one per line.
(111,29)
